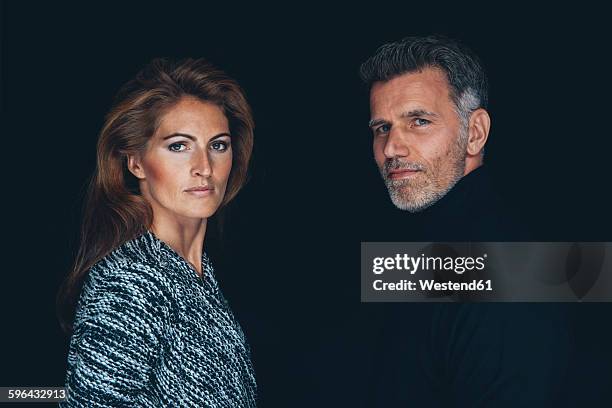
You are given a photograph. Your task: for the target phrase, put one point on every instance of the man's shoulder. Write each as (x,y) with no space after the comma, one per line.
(488,214)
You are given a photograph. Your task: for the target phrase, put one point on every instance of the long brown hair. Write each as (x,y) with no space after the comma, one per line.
(114,210)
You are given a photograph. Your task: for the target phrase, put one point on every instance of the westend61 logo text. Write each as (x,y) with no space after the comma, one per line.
(412,264)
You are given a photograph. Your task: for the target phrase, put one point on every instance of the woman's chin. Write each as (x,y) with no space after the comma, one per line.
(200,214)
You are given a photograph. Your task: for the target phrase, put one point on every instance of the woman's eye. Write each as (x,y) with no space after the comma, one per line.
(177,147)
(219,146)
(421,122)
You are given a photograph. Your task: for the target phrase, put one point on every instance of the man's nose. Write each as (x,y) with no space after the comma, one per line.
(396,144)
(202,165)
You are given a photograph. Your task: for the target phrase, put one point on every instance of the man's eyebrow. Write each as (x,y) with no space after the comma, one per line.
(376,122)
(417,112)
(188,136)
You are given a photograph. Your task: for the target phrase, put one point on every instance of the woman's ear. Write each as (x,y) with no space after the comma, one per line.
(134,165)
(479,126)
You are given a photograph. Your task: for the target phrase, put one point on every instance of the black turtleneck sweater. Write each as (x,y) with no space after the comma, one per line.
(449,354)
(473,210)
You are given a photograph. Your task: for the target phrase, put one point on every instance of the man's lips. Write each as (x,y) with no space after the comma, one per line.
(401,173)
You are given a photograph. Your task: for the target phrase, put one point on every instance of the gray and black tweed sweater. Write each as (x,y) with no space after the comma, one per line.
(150,332)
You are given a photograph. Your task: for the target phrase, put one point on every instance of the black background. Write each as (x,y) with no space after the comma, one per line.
(289,258)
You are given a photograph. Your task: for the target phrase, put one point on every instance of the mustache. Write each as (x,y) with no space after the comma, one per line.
(397,164)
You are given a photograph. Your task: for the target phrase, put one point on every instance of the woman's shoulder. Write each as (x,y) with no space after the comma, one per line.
(134,267)
(143,249)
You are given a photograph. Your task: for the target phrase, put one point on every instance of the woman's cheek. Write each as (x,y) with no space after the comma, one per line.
(161,173)
(227,165)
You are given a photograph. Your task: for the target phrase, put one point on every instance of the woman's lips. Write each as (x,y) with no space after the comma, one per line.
(402,173)
(200,191)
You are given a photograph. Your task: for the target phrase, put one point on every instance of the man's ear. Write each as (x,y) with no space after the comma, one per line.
(135,166)
(478,131)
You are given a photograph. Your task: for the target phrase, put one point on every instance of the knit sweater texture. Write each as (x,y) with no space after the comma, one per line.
(150,332)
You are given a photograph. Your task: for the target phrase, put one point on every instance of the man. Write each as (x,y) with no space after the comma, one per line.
(428,99)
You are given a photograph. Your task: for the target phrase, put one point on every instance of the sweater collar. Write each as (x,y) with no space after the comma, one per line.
(148,246)
(148,249)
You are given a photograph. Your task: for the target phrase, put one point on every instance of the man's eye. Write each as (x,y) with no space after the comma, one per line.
(177,147)
(382,129)
(219,146)
(421,122)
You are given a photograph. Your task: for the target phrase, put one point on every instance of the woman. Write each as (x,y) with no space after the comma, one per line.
(151,326)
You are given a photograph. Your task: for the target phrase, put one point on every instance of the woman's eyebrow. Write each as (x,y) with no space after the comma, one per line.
(179,134)
(188,136)
(221,135)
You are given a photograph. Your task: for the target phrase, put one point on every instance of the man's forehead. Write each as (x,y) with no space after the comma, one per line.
(428,86)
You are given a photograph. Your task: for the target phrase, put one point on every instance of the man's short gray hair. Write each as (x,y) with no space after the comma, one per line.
(466,77)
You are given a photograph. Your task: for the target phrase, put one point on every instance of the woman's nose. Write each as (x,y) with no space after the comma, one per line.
(202,167)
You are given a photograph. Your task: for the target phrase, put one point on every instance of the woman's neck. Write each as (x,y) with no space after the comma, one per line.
(186,238)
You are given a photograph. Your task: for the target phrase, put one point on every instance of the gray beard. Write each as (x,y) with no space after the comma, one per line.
(421,192)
